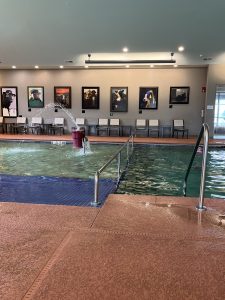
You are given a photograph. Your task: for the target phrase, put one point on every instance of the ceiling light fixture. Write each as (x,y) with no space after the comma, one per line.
(127,66)
(181,48)
(135,61)
(125,49)
(13,67)
(36,67)
(61,67)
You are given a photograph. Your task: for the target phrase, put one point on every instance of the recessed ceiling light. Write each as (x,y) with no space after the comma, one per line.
(61,67)
(125,49)
(181,48)
(36,67)
(175,66)
(13,67)
(86,67)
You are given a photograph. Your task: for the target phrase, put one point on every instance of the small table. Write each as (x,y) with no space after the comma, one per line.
(166,128)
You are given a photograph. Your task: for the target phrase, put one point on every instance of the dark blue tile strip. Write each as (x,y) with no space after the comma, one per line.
(52,190)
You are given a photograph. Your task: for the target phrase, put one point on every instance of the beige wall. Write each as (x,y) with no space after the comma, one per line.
(131,78)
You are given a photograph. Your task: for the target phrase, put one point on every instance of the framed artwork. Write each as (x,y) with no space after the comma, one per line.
(179,95)
(90,97)
(62,96)
(35,96)
(9,101)
(119,99)
(148,97)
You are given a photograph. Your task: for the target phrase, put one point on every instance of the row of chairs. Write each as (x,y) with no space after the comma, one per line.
(149,127)
(153,126)
(36,125)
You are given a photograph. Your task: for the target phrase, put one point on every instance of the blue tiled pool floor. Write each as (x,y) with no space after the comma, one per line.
(52,190)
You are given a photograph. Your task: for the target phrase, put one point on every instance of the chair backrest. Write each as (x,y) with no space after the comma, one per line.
(59,121)
(1,120)
(140,123)
(36,120)
(21,120)
(114,122)
(178,123)
(153,123)
(80,121)
(103,122)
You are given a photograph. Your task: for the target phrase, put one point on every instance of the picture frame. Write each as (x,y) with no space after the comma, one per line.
(35,95)
(148,97)
(62,96)
(179,94)
(119,99)
(9,101)
(90,97)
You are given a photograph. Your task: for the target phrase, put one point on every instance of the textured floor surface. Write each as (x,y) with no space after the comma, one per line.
(134,247)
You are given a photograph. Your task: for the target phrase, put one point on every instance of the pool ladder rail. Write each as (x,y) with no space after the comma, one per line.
(204,132)
(117,156)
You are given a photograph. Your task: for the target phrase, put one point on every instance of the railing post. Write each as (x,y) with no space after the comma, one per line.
(96,202)
(200,205)
(128,145)
(118,166)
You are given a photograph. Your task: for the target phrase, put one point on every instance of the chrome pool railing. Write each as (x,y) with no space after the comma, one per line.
(205,133)
(117,156)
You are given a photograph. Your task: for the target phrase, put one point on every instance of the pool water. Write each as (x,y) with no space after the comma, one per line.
(153,169)
(160,170)
(45,159)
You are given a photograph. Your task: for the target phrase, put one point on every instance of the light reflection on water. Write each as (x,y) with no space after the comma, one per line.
(160,170)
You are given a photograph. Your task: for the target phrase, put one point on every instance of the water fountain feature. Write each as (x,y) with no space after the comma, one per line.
(78,133)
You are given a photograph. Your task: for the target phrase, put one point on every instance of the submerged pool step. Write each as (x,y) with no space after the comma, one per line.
(52,190)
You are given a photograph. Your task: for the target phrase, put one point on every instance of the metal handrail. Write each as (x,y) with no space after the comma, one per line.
(205,133)
(119,173)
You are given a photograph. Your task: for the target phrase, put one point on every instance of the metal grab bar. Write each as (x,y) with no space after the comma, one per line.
(204,131)
(119,173)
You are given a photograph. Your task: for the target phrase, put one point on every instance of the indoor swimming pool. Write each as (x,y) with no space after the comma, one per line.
(57,171)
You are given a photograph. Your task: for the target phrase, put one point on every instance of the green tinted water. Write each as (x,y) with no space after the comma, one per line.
(155,170)
(44,159)
(160,170)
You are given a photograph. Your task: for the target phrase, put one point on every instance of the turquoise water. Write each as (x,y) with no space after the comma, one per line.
(155,170)
(45,159)
(160,170)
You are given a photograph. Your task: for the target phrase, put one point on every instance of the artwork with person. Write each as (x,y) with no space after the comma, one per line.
(35,96)
(62,96)
(119,99)
(90,97)
(9,101)
(148,98)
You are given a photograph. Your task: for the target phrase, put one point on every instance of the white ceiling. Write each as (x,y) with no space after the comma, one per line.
(49,32)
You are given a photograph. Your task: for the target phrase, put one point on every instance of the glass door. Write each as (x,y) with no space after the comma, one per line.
(219,113)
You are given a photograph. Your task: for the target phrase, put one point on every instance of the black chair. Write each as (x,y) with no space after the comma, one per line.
(141,126)
(178,127)
(58,126)
(35,126)
(21,125)
(103,126)
(114,126)
(153,127)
